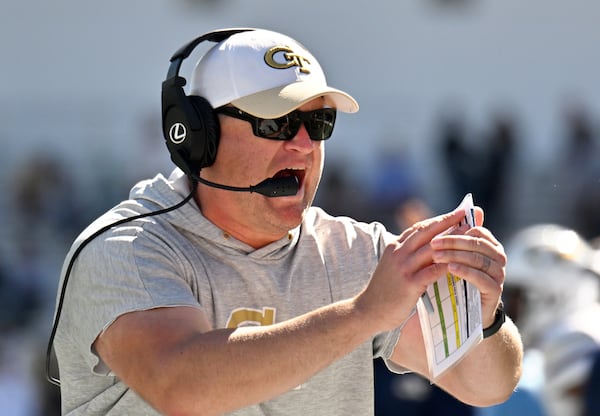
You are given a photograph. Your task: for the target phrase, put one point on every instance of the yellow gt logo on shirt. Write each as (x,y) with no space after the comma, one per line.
(251,317)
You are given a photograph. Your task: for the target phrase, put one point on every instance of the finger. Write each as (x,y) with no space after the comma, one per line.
(479,216)
(489,286)
(484,233)
(422,232)
(486,264)
(402,261)
(478,258)
(476,241)
(408,258)
(473,260)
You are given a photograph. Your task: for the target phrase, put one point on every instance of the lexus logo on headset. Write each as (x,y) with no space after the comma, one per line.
(177,133)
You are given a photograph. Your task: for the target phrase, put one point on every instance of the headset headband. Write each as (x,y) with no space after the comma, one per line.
(185,51)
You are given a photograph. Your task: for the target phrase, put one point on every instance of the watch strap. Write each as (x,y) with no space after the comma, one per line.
(499,319)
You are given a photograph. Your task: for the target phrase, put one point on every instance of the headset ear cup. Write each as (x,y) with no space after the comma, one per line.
(205,143)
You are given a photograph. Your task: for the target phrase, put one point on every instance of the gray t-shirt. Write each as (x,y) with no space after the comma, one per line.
(181,259)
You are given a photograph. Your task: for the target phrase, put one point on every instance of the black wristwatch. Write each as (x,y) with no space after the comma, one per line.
(499,319)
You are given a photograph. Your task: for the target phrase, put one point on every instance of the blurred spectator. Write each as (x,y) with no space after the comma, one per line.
(551,292)
(480,168)
(572,176)
(19,299)
(394,185)
(41,188)
(582,169)
(411,211)
(498,160)
(458,160)
(339,194)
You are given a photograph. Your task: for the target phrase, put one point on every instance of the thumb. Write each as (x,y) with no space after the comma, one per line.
(479,216)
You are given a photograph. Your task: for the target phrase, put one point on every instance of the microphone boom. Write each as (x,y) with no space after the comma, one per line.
(271,187)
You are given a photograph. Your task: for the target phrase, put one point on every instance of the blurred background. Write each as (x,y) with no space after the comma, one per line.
(500,99)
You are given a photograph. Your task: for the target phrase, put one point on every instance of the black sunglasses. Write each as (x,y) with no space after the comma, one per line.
(319,123)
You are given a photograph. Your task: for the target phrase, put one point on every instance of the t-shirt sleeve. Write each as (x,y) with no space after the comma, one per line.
(119,272)
(384,345)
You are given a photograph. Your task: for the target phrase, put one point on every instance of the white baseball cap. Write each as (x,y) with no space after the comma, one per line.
(264,73)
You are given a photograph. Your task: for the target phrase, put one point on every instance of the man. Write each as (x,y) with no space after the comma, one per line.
(252,303)
(551,291)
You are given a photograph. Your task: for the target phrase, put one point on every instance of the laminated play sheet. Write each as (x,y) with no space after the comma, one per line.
(450,314)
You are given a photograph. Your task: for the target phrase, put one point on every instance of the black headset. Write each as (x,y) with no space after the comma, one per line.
(190,126)
(191,131)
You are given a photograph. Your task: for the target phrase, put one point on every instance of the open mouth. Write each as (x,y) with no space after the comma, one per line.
(284,173)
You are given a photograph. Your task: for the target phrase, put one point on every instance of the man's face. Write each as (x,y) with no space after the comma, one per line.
(244,160)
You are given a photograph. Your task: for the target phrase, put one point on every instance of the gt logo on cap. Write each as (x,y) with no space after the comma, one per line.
(291,59)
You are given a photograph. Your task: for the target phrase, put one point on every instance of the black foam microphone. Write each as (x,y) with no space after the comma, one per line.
(271,187)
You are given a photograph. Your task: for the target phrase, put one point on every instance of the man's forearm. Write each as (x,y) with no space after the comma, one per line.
(490,373)
(257,363)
